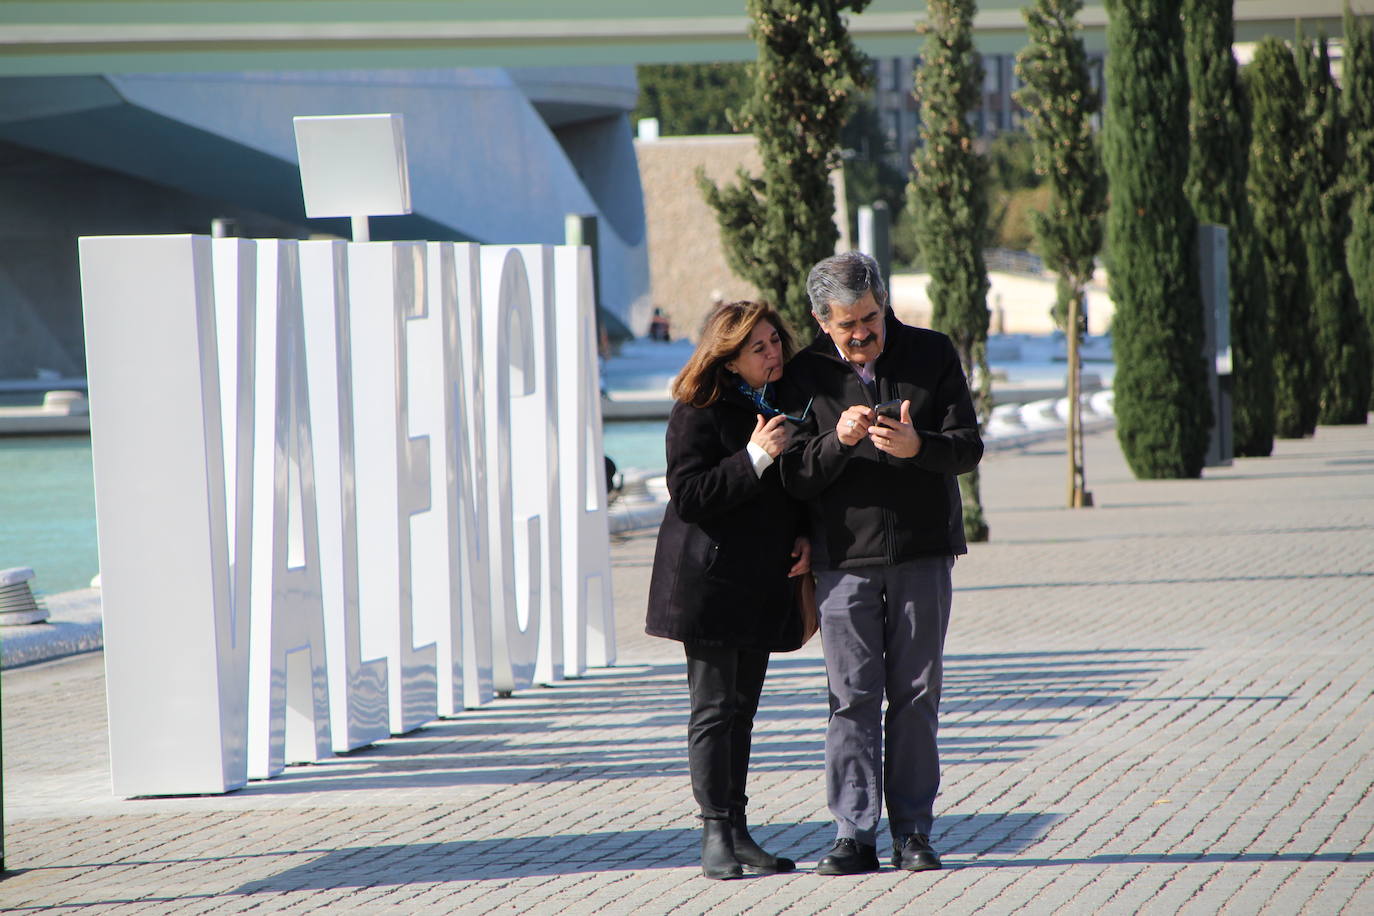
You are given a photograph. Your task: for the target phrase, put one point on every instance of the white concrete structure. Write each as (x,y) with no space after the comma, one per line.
(392,471)
(358,693)
(588,624)
(176,649)
(354,518)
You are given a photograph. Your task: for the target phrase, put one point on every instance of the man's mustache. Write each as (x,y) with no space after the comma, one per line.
(855,343)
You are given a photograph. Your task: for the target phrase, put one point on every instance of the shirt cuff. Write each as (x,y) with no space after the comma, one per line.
(760,459)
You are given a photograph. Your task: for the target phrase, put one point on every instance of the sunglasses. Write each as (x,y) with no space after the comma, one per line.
(806,412)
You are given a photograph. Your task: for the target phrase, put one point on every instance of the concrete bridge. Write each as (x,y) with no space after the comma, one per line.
(63,37)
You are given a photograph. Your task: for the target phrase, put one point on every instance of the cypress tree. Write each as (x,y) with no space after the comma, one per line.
(1275,183)
(947,198)
(1218,165)
(1358,95)
(776,226)
(1061,101)
(1342,337)
(1162,407)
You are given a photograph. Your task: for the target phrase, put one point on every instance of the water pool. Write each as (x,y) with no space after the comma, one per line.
(47,499)
(47,510)
(636,444)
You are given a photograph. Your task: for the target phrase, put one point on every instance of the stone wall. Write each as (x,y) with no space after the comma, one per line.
(687,268)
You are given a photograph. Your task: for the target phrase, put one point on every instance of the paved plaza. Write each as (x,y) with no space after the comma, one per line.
(1162,704)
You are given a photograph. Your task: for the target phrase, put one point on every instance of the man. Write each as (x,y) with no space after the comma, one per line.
(886,525)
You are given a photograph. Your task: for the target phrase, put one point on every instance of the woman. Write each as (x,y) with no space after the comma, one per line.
(728,562)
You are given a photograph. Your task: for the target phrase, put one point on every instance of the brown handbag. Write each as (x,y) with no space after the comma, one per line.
(806,606)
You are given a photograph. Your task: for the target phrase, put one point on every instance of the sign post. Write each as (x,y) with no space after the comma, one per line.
(353,166)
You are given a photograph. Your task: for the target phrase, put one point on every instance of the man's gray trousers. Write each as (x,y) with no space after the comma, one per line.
(883,628)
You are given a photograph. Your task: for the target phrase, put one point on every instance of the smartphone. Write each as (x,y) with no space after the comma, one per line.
(890,409)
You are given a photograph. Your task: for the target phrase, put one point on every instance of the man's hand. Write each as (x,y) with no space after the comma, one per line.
(898,438)
(854,424)
(802,551)
(770,436)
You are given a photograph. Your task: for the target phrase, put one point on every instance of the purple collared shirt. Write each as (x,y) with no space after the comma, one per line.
(865,370)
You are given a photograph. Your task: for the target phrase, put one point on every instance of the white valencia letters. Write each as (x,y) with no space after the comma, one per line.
(368,492)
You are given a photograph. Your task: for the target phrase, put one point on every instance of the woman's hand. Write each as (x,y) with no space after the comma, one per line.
(898,438)
(802,551)
(770,436)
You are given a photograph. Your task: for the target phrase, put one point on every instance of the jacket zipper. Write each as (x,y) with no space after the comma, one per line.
(889,532)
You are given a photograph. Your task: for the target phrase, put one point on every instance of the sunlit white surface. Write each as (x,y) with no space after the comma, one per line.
(508,341)
(588,614)
(357,687)
(469,521)
(537,460)
(392,473)
(288,686)
(353,165)
(176,655)
(397,494)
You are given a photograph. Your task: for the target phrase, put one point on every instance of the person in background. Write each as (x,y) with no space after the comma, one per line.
(728,563)
(659,328)
(891,427)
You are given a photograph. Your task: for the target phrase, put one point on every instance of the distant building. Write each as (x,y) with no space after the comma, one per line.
(899,112)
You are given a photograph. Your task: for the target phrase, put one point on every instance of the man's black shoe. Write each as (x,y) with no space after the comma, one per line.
(913,853)
(848,857)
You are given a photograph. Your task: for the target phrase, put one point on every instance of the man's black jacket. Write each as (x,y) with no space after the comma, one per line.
(869,508)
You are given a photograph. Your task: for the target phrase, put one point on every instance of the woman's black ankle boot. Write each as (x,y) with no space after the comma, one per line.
(717,851)
(750,854)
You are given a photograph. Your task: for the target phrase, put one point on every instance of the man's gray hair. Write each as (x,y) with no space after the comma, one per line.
(844,278)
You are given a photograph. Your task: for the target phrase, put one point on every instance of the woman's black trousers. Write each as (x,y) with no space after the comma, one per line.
(725,684)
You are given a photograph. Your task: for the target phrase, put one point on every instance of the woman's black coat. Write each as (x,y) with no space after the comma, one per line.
(725,546)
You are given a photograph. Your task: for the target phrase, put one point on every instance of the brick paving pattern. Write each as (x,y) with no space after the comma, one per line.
(1162,704)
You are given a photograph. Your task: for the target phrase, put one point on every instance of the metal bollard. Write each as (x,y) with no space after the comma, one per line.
(1216,313)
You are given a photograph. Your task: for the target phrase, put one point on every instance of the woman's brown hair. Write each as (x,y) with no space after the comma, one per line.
(723,336)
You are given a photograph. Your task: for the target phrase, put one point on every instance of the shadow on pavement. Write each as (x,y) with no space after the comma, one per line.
(1045,682)
(566,854)
(626,723)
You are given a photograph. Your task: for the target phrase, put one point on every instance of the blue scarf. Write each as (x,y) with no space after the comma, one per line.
(759,397)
